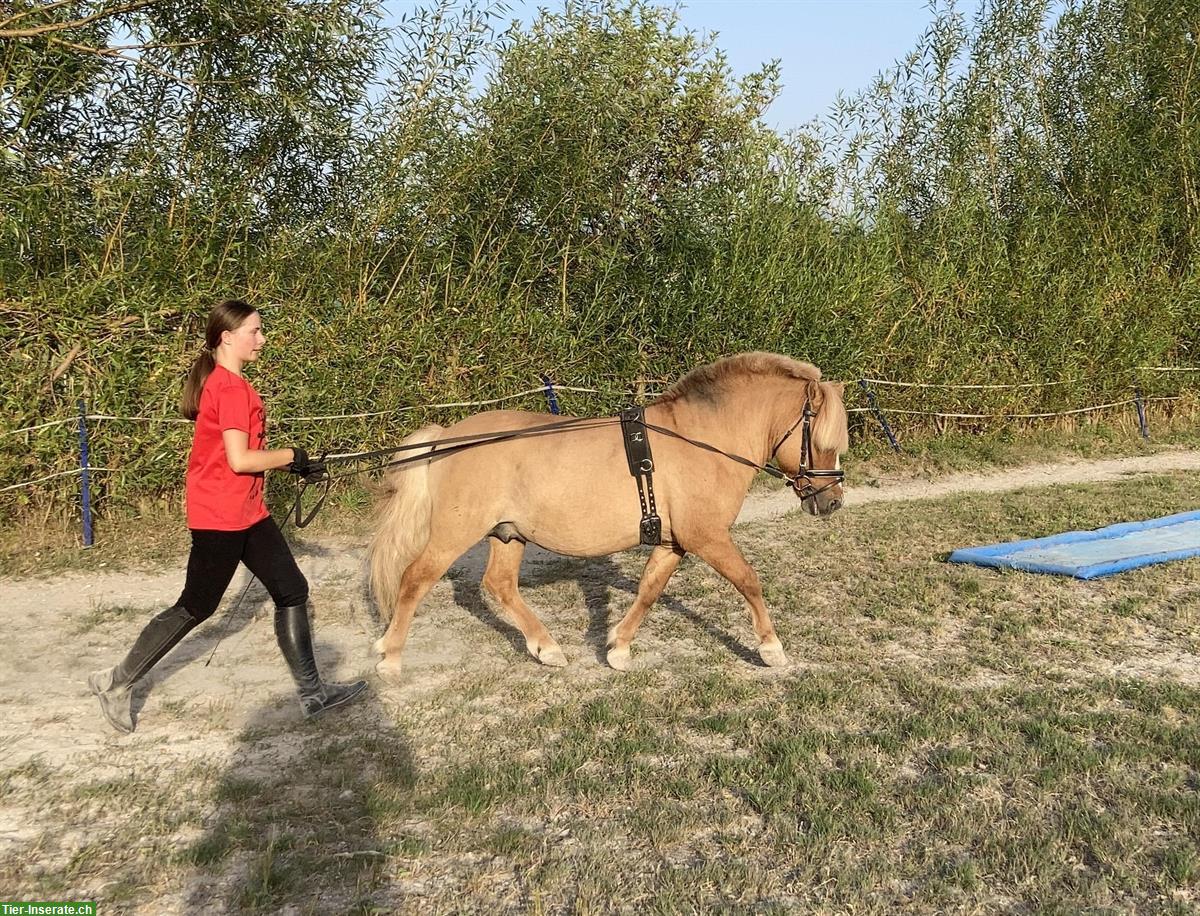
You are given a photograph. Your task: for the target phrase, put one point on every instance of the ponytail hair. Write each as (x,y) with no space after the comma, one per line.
(225,316)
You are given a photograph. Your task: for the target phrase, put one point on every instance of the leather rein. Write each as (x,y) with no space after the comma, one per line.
(800,482)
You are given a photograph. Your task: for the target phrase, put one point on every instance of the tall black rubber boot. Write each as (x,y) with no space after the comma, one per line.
(295,641)
(113,685)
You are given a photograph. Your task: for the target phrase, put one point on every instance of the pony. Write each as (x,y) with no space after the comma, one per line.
(571,492)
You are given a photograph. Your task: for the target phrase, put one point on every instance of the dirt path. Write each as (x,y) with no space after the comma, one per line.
(779,502)
(61,627)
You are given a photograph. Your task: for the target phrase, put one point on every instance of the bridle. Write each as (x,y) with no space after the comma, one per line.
(802,480)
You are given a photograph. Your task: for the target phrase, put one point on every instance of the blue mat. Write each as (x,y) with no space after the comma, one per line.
(1090,554)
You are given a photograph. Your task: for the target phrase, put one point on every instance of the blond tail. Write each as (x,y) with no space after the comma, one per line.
(401,522)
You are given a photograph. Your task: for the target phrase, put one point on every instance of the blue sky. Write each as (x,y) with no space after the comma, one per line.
(823,45)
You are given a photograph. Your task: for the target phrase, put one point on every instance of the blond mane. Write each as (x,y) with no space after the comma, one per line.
(707,381)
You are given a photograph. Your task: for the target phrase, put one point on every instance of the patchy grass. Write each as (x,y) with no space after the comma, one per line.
(947,739)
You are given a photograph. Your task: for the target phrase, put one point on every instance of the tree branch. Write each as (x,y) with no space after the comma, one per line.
(137,61)
(159,46)
(74,23)
(36,9)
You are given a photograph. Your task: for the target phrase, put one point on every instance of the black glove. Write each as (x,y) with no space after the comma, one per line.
(311,469)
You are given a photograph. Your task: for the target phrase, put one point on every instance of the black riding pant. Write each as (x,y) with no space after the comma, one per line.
(216,554)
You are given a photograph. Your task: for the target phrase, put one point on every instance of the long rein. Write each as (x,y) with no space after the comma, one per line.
(437,449)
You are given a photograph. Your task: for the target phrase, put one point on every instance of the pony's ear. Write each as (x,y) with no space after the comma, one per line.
(816,395)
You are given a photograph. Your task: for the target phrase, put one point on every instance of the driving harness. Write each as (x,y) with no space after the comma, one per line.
(641,464)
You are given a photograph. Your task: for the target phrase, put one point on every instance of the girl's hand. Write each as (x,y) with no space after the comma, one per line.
(306,467)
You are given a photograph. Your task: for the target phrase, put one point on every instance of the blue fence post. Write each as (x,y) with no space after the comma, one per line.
(1140,403)
(887,430)
(85,483)
(551,399)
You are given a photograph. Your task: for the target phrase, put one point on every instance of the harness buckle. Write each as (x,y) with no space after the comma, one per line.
(651,530)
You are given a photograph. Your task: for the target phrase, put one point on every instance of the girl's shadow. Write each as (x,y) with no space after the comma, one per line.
(296,785)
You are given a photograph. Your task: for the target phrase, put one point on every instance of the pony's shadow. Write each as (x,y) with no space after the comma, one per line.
(596,577)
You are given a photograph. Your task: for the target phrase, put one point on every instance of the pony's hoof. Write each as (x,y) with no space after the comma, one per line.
(773,656)
(619,658)
(389,671)
(552,656)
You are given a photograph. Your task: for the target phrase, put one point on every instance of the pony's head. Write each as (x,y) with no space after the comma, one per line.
(811,447)
(807,419)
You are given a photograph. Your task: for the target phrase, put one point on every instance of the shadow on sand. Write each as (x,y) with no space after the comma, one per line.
(296,811)
(598,578)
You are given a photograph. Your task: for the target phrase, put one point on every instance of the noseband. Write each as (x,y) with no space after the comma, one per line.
(802,481)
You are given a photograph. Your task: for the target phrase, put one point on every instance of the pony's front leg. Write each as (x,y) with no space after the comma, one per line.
(662,563)
(418,579)
(723,556)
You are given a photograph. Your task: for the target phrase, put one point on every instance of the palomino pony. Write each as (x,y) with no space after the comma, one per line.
(571,492)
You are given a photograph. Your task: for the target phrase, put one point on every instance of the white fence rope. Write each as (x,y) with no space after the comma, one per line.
(1019,416)
(383,413)
(1072,381)
(543,389)
(97,416)
(30,483)
(337,416)
(891,384)
(30,429)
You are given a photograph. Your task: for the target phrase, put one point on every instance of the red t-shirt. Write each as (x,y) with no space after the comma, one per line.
(217,498)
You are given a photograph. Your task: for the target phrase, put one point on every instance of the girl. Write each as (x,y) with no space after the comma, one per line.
(229,522)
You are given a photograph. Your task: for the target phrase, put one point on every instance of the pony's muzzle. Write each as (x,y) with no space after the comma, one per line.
(824,502)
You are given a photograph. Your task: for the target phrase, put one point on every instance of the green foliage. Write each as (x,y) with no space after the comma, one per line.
(440,210)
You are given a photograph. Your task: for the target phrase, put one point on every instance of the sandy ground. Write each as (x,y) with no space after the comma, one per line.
(59,628)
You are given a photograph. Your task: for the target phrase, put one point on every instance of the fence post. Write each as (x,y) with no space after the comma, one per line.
(551,399)
(887,430)
(1140,404)
(85,488)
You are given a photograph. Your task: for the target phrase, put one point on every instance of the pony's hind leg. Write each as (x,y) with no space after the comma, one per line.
(723,556)
(429,566)
(662,563)
(500,581)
